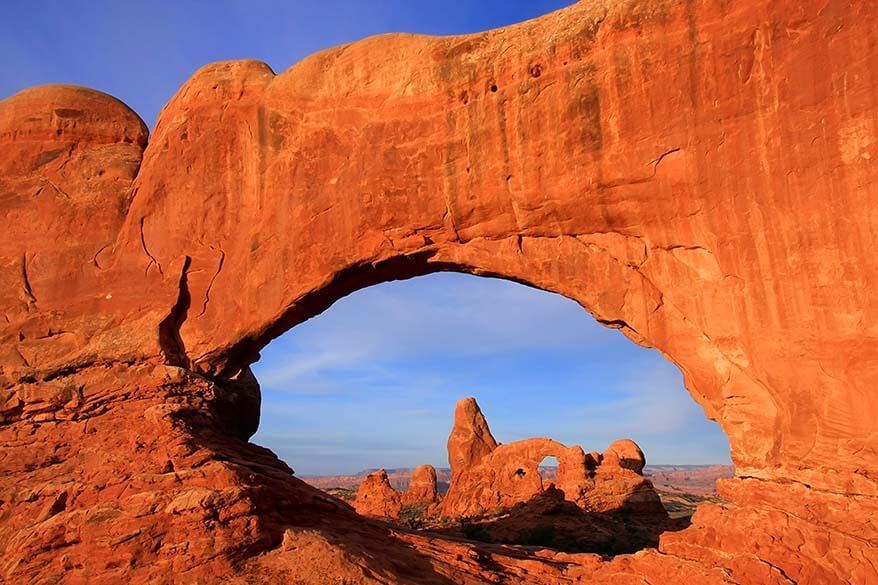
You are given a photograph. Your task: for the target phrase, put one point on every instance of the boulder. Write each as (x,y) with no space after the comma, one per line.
(626,454)
(377,498)
(423,487)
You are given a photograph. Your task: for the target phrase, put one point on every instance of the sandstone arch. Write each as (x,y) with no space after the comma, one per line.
(683,170)
(514,468)
(487,476)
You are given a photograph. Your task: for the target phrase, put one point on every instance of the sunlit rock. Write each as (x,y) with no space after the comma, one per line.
(698,175)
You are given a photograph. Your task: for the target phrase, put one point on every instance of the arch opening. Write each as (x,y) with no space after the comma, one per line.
(548,469)
(366,367)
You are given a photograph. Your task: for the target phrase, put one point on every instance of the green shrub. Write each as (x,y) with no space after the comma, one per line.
(473,531)
(412,516)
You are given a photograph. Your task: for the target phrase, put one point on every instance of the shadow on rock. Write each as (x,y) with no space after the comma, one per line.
(548,520)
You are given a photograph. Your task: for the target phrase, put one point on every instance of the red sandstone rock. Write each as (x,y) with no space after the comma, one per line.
(470,439)
(377,498)
(399,478)
(549,520)
(699,175)
(423,487)
(509,474)
(624,453)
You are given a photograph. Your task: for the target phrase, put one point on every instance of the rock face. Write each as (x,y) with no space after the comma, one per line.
(509,474)
(471,439)
(697,174)
(423,487)
(377,498)
(549,520)
(626,454)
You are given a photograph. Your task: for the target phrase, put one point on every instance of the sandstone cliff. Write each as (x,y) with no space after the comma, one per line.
(698,174)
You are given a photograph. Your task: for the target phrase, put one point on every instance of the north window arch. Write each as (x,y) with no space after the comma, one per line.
(371,382)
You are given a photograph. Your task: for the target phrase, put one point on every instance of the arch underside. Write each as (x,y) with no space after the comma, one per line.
(696,174)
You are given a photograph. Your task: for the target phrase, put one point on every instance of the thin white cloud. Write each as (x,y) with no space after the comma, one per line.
(390,361)
(652,407)
(398,320)
(652,401)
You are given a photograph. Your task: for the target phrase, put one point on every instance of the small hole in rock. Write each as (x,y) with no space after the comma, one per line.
(536,70)
(548,469)
(494,88)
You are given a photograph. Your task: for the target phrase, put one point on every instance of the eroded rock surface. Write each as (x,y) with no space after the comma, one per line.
(508,474)
(423,487)
(698,174)
(597,502)
(470,440)
(377,498)
(626,454)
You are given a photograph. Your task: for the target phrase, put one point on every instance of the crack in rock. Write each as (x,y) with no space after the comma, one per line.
(210,284)
(152,259)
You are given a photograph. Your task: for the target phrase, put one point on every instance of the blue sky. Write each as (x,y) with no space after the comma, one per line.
(372,382)
(142,52)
